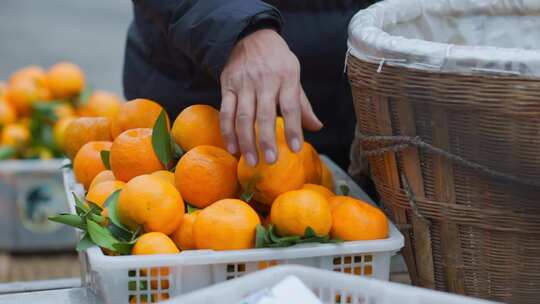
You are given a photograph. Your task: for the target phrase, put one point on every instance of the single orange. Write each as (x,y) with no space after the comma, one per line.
(165,175)
(132,155)
(15,135)
(197,125)
(270,180)
(87,163)
(102,176)
(83,130)
(154,243)
(65,79)
(101,103)
(320,189)
(356,220)
(8,114)
(312,164)
(294,211)
(327,178)
(100,192)
(183,236)
(151,202)
(227,224)
(137,113)
(29,72)
(59,131)
(206,174)
(26,89)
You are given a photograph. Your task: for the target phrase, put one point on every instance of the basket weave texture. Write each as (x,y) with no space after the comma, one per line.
(466,231)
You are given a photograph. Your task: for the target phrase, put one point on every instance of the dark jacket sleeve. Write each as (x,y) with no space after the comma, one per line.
(206,30)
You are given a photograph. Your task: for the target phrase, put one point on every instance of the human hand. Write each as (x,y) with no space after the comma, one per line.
(261,74)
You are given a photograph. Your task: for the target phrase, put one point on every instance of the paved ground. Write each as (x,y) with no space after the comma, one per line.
(89,32)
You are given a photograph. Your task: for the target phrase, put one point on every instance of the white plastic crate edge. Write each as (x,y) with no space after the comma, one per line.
(31,165)
(232,291)
(99,261)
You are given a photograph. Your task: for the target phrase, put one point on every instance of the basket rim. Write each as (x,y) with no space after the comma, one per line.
(369,42)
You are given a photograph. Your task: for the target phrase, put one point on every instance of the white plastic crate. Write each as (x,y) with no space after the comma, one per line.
(30,192)
(116,279)
(330,287)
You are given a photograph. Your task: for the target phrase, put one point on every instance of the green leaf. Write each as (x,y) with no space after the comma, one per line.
(85,95)
(309,233)
(123,248)
(261,237)
(94,208)
(248,193)
(178,151)
(84,243)
(344,188)
(79,206)
(120,233)
(191,209)
(161,140)
(105,158)
(7,152)
(69,219)
(111,203)
(101,235)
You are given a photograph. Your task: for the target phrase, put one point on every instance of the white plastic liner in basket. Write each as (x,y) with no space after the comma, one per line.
(456,36)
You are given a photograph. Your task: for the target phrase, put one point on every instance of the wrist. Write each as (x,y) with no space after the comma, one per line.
(262,21)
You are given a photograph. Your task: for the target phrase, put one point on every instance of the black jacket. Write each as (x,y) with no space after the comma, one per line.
(176,50)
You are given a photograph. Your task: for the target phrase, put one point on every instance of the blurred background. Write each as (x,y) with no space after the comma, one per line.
(90,33)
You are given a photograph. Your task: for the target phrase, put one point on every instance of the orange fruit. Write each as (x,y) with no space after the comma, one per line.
(336,200)
(87,163)
(101,103)
(151,202)
(132,155)
(206,174)
(227,224)
(28,72)
(59,131)
(183,236)
(137,113)
(197,125)
(319,189)
(83,130)
(26,87)
(327,178)
(165,175)
(100,192)
(357,220)
(63,110)
(270,180)
(65,79)
(292,212)
(154,243)
(312,164)
(102,176)
(15,135)
(8,114)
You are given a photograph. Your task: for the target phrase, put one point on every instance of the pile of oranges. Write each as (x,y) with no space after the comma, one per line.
(181,190)
(37,105)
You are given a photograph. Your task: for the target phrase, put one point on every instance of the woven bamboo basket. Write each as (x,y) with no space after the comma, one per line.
(451,133)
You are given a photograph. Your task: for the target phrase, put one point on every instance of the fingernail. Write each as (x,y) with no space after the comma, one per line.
(270,156)
(295,144)
(251,160)
(231,148)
